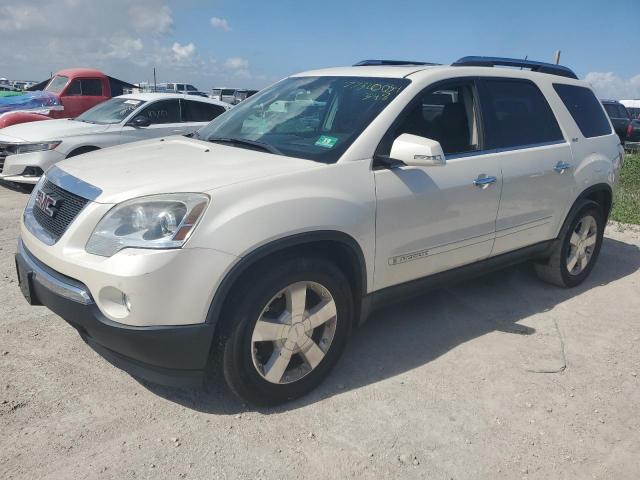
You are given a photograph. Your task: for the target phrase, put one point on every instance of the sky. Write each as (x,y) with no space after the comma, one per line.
(251,44)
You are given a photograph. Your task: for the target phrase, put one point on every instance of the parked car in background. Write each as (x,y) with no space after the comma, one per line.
(633,107)
(184,88)
(223,94)
(66,95)
(29,149)
(256,245)
(620,118)
(240,95)
(633,136)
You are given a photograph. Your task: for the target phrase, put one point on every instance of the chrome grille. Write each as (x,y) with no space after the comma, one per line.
(67,209)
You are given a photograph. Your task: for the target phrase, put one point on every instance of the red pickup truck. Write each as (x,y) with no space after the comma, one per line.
(65,95)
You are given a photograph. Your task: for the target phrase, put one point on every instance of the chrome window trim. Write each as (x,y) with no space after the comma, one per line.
(73,184)
(505,149)
(53,281)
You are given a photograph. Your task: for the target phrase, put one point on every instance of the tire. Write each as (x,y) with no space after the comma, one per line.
(252,356)
(557,268)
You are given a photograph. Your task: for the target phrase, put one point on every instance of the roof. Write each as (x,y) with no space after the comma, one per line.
(81,72)
(420,71)
(153,96)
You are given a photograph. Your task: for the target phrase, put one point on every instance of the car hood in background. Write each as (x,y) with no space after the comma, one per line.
(174,164)
(51,130)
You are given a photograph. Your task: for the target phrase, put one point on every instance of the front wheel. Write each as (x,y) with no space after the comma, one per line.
(285,327)
(579,244)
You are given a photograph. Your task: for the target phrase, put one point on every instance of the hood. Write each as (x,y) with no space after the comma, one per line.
(174,164)
(51,130)
(29,101)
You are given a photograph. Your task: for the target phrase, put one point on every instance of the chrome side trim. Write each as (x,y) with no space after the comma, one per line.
(72,184)
(53,281)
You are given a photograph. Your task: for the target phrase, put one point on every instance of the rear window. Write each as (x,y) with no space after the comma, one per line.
(585,109)
(200,111)
(518,114)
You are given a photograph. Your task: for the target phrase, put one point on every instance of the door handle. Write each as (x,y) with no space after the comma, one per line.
(561,167)
(483,181)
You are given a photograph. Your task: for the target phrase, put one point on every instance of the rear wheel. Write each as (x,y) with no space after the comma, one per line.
(285,329)
(575,254)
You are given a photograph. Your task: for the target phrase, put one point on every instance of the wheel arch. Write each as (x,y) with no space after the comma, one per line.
(600,193)
(335,245)
(80,150)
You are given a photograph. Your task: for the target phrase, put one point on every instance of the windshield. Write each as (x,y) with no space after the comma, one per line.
(114,110)
(56,84)
(316,118)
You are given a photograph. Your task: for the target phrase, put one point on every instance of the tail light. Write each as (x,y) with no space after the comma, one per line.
(629,129)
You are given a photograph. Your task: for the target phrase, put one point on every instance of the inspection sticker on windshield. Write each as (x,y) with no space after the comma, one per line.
(326,142)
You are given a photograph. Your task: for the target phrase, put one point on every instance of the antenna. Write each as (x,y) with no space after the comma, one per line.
(557,57)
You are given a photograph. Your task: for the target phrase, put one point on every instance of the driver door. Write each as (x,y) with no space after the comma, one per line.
(165,119)
(431,219)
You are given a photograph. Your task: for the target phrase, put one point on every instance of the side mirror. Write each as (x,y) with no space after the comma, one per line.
(139,121)
(417,151)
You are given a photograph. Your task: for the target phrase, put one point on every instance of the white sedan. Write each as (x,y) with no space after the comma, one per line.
(28,149)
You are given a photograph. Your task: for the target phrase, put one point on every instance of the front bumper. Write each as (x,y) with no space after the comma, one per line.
(168,355)
(15,166)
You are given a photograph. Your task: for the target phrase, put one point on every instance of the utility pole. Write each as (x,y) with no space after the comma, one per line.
(557,57)
(155,88)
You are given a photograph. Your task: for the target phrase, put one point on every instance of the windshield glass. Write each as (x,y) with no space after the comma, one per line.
(316,118)
(114,110)
(56,84)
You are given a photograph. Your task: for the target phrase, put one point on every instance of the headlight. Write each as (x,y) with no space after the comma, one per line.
(18,148)
(158,221)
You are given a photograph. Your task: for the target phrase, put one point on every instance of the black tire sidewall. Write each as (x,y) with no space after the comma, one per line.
(589,208)
(258,289)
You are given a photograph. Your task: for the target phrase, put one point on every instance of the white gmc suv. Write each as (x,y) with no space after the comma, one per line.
(258,243)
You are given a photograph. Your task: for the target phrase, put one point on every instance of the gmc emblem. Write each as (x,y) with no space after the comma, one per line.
(47,203)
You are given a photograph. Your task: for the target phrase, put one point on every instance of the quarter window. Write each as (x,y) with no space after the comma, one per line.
(585,109)
(164,111)
(517,114)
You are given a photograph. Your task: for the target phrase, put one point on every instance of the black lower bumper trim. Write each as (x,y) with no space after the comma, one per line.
(168,355)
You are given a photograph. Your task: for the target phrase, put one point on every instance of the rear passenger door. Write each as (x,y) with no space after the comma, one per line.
(196,114)
(535,159)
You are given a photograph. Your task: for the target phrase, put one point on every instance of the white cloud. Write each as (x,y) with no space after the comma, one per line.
(154,20)
(183,52)
(610,86)
(17,18)
(236,63)
(220,23)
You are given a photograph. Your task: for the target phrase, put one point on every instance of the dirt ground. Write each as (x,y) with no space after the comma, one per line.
(501,377)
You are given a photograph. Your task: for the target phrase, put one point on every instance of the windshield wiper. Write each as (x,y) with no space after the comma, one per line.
(247,143)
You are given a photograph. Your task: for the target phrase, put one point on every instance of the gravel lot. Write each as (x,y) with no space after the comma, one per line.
(499,377)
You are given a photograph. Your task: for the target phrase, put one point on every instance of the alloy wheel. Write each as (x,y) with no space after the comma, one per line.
(582,244)
(294,332)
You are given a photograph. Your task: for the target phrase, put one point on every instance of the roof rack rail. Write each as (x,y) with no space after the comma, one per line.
(532,65)
(366,63)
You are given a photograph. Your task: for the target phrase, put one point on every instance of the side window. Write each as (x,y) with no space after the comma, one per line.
(200,111)
(74,88)
(447,114)
(164,111)
(585,109)
(623,111)
(612,110)
(91,87)
(517,114)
